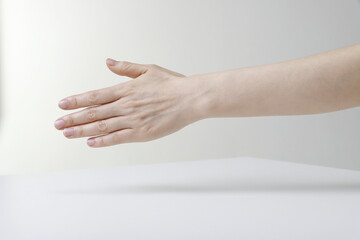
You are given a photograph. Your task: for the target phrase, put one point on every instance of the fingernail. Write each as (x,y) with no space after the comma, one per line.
(91,142)
(64,103)
(68,132)
(59,123)
(110,62)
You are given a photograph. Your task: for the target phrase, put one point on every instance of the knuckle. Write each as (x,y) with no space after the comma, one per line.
(91,114)
(125,65)
(92,97)
(69,120)
(74,101)
(102,126)
(79,131)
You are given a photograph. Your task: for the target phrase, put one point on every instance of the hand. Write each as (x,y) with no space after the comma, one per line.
(156,103)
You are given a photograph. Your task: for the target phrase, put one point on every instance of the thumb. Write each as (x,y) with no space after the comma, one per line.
(125,68)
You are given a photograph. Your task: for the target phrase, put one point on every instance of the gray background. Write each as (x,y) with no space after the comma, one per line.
(53,49)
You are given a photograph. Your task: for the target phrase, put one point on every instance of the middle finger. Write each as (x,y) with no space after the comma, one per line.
(87,115)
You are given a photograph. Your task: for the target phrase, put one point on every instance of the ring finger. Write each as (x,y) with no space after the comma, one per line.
(96,128)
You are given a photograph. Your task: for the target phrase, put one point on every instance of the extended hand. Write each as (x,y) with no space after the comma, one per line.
(156,103)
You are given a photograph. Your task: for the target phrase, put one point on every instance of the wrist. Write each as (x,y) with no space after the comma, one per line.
(202,95)
(222,94)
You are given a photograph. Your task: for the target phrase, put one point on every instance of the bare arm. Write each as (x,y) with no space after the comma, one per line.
(158,102)
(325,82)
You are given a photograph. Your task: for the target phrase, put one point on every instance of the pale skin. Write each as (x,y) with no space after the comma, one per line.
(157,102)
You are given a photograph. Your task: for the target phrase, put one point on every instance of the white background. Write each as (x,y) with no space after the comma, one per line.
(53,49)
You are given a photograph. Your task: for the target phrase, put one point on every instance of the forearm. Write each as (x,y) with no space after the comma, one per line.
(320,83)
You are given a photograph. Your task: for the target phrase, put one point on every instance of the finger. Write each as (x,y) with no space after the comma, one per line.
(118,137)
(90,98)
(125,68)
(87,115)
(96,128)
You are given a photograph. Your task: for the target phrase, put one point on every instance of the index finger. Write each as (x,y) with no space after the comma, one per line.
(90,98)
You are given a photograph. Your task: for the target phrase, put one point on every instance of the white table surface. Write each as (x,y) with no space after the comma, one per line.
(236,198)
